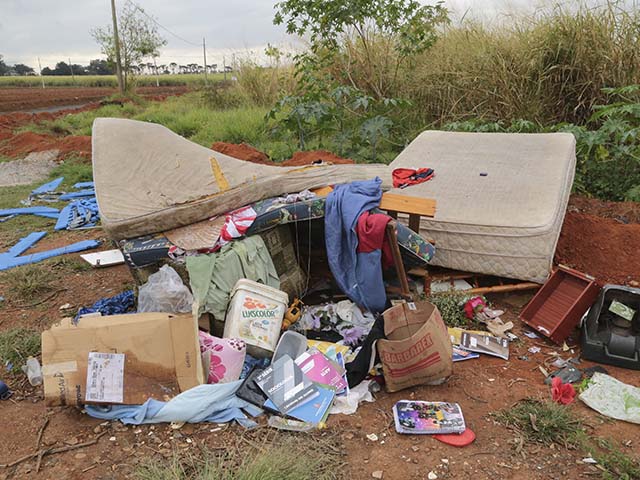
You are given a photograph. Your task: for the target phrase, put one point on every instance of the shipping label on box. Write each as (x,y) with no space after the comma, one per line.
(105,377)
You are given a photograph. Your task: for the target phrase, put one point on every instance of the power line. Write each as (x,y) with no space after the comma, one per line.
(162,26)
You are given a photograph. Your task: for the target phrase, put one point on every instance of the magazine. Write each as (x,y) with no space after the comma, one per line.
(498,347)
(420,417)
(321,370)
(460,354)
(313,411)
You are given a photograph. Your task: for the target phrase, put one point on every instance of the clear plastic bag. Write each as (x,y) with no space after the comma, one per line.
(165,292)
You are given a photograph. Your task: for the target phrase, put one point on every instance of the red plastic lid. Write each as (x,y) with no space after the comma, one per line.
(457,439)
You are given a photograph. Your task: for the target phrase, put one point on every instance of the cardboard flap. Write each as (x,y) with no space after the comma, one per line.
(406,316)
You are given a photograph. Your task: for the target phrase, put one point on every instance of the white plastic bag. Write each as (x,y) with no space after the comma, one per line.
(164,292)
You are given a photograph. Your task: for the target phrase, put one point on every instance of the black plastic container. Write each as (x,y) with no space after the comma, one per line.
(608,338)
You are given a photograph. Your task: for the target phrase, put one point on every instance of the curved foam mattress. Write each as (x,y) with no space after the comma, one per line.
(501,198)
(149,179)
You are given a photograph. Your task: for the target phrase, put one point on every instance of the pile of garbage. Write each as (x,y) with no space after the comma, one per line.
(298,306)
(230,344)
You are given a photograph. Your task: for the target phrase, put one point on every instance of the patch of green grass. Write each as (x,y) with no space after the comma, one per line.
(190,79)
(28,281)
(10,196)
(73,170)
(617,465)
(291,459)
(17,344)
(70,263)
(5,159)
(544,422)
(549,422)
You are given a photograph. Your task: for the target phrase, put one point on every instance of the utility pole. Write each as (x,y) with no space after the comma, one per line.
(224,67)
(40,67)
(204,54)
(73,78)
(116,42)
(155,68)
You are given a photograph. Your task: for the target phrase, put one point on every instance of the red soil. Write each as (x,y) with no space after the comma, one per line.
(602,247)
(242,151)
(246,152)
(22,144)
(27,98)
(307,158)
(625,212)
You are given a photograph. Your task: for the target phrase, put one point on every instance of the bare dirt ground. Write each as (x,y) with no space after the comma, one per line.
(30,98)
(480,386)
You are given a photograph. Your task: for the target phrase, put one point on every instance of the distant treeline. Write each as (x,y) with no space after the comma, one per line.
(95,67)
(104,67)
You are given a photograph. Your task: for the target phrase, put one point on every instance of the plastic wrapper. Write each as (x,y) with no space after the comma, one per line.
(165,292)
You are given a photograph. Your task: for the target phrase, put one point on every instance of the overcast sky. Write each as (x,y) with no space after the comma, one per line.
(57,30)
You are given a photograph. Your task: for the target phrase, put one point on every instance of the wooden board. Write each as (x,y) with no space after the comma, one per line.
(406,204)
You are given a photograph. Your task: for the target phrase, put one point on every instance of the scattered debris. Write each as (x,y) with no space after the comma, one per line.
(12,258)
(612,398)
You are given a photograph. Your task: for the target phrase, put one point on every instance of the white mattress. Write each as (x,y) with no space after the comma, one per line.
(149,179)
(506,223)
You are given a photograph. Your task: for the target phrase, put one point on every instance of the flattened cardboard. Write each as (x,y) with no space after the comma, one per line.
(162,355)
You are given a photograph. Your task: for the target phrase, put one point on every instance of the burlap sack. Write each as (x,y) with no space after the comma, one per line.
(417,348)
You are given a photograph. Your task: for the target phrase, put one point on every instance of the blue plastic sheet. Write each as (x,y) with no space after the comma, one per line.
(49,187)
(79,214)
(82,193)
(12,258)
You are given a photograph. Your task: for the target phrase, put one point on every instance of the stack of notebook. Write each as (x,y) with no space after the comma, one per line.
(303,388)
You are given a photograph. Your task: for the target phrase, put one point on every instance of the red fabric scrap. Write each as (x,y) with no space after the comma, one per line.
(371,230)
(404,177)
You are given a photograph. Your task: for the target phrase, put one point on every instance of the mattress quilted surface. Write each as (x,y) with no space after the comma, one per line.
(501,198)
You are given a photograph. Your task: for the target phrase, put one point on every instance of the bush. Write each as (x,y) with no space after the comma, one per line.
(223,96)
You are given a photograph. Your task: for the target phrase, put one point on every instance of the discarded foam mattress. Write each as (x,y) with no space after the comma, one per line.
(149,179)
(501,198)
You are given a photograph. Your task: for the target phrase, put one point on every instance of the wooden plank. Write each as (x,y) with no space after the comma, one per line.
(407,204)
(323,191)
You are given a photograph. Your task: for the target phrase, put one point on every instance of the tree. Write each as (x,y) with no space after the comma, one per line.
(173,66)
(138,36)
(4,68)
(380,35)
(99,67)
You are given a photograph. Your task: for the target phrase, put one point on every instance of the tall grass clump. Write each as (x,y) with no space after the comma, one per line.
(547,67)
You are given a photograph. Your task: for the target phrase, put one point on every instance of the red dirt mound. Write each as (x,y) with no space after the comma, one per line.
(242,151)
(307,158)
(626,212)
(602,247)
(24,143)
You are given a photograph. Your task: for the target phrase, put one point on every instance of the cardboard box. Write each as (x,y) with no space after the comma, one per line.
(161,356)
(417,349)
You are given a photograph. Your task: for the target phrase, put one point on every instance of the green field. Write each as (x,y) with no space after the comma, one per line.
(108,80)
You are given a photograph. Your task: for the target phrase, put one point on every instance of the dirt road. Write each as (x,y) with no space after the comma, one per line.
(30,98)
